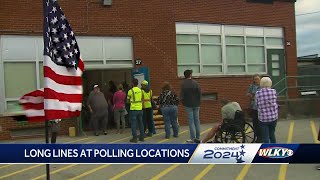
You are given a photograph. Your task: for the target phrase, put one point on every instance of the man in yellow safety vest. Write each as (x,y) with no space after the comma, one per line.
(135,98)
(147,110)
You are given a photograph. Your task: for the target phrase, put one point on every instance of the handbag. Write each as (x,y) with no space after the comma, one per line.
(153,103)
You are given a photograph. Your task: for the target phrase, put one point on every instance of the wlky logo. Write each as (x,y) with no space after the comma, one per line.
(226,152)
(275,152)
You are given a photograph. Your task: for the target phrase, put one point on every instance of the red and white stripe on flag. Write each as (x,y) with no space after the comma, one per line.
(61,97)
(62,90)
(33,106)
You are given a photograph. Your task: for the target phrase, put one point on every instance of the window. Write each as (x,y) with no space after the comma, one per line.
(211,54)
(255,54)
(235,55)
(190,48)
(220,49)
(22,74)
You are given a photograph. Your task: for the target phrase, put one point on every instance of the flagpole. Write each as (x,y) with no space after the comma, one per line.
(46,120)
(47,142)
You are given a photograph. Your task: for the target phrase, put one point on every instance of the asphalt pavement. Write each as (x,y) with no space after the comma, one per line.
(287,131)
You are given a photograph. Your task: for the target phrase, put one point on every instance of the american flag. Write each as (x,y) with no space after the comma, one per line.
(63,68)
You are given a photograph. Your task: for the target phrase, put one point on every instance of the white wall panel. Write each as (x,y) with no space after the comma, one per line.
(18,48)
(210,29)
(273,32)
(254,31)
(182,28)
(234,30)
(118,48)
(91,48)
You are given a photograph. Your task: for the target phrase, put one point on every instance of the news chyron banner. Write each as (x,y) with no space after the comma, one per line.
(159,153)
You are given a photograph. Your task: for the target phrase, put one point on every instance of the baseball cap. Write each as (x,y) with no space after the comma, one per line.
(144,82)
(96,85)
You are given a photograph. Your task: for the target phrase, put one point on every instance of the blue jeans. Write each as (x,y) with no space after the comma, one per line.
(193,121)
(153,126)
(268,131)
(170,115)
(136,119)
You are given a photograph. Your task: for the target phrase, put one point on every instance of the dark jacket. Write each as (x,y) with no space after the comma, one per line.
(190,95)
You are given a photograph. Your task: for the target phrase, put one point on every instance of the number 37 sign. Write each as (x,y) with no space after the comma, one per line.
(138,62)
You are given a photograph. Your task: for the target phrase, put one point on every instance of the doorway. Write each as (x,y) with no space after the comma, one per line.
(102,78)
(276,68)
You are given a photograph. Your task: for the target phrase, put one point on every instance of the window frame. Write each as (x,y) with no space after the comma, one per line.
(109,61)
(224,66)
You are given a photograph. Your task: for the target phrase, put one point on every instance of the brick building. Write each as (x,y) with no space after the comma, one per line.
(224,42)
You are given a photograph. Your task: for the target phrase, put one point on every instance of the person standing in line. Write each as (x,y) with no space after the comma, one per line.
(55,127)
(119,109)
(111,90)
(147,110)
(127,105)
(135,97)
(267,110)
(253,88)
(98,107)
(190,97)
(168,102)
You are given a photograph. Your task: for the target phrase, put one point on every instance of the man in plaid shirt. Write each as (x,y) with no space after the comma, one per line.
(267,110)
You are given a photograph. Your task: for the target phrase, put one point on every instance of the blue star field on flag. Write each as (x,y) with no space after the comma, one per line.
(59,40)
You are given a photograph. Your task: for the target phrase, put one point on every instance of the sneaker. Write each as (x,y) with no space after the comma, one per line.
(196,141)
(318,168)
(96,134)
(134,140)
(167,137)
(175,136)
(105,132)
(141,139)
(189,141)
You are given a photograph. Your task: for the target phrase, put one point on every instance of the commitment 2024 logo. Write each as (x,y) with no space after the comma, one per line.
(275,152)
(226,152)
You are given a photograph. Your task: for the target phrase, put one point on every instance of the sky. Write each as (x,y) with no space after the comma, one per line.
(308,27)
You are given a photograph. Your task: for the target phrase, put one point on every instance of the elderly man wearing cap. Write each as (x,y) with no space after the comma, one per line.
(228,111)
(147,110)
(98,107)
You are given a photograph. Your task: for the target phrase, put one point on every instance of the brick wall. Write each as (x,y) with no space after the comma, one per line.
(152,26)
(8,124)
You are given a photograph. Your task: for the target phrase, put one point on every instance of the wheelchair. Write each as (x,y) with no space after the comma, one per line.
(236,130)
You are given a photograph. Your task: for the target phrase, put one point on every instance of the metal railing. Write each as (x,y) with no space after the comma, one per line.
(314,87)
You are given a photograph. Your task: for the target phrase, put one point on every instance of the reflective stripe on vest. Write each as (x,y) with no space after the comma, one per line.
(133,98)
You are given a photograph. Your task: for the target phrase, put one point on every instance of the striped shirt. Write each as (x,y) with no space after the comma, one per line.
(267,105)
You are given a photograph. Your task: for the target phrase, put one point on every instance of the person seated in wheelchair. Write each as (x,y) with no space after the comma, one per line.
(228,113)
